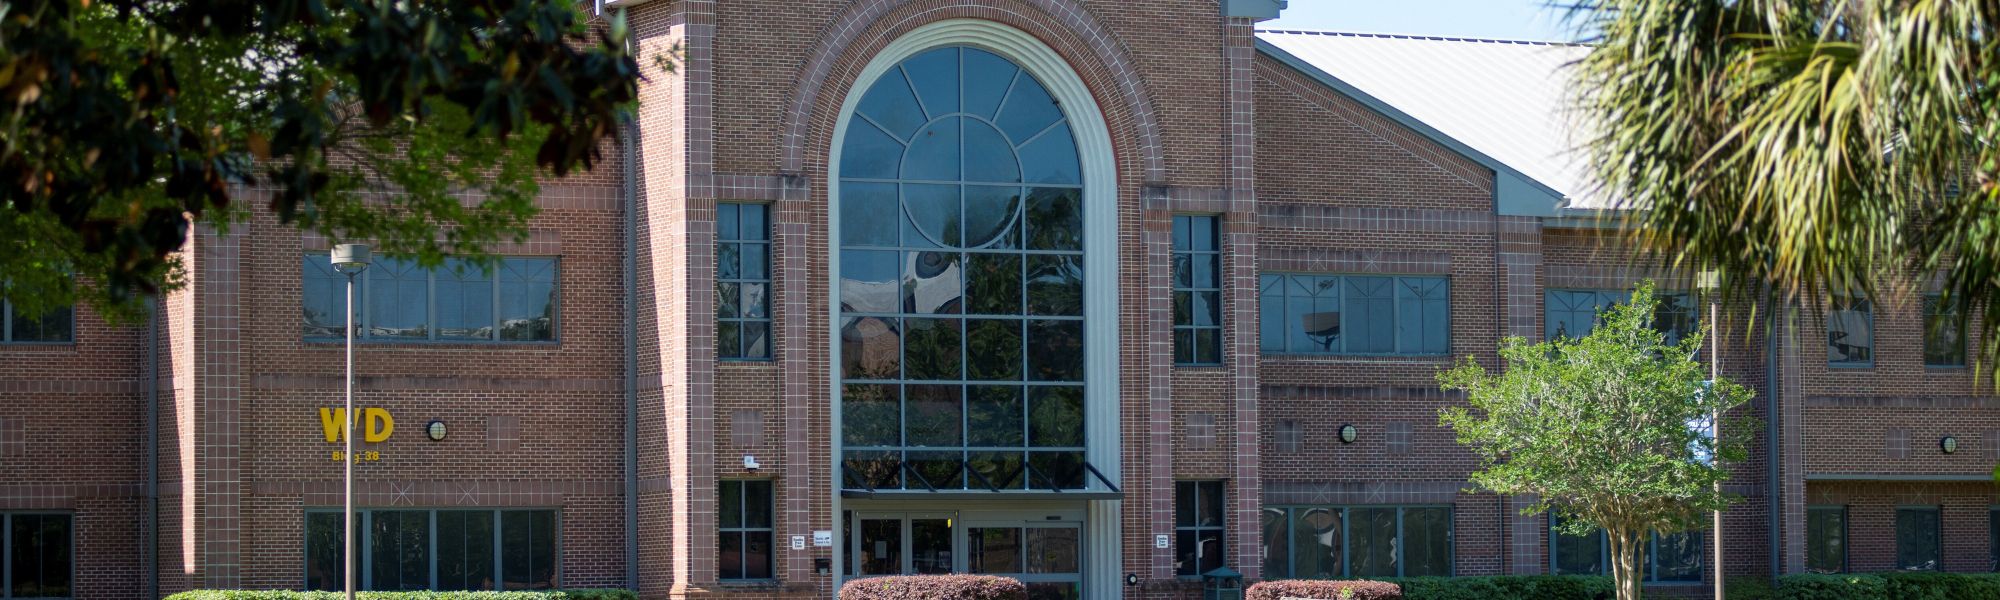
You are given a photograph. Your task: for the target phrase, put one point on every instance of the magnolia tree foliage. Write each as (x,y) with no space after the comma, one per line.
(1607,430)
(419,125)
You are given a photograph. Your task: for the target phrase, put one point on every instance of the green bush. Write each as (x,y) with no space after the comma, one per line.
(1539,587)
(1751,588)
(1833,587)
(1928,585)
(577,594)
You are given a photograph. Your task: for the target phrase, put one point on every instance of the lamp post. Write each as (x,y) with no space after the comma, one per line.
(349,260)
(1710,282)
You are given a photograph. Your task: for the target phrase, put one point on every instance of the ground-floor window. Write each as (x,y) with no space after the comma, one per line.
(746,526)
(1917,538)
(424,549)
(1198,531)
(1045,555)
(1826,539)
(1669,558)
(1993,530)
(37,550)
(1336,542)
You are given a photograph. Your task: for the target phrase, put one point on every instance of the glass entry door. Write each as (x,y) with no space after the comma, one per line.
(1047,556)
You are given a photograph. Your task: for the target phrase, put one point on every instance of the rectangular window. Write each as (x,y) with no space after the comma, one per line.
(435,550)
(1198,529)
(1575,313)
(745,518)
(1917,538)
(39,552)
(1850,332)
(742,281)
(1339,542)
(1944,334)
(1670,558)
(1197,259)
(1993,531)
(1826,539)
(397,300)
(1354,314)
(55,327)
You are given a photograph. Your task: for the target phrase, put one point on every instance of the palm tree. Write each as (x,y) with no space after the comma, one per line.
(1814,145)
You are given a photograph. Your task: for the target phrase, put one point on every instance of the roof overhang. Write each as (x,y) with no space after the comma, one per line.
(1928,477)
(1514,192)
(1261,10)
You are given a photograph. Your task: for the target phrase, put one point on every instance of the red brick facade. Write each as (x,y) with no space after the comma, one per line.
(1303,178)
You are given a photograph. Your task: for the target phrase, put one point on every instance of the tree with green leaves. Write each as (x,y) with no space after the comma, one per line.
(1812,145)
(1610,430)
(420,125)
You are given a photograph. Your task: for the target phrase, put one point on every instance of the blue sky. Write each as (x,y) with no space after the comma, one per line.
(1502,19)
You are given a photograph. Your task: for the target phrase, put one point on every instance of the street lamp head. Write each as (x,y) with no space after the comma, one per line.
(351,258)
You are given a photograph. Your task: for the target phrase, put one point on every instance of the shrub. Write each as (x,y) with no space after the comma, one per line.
(1833,587)
(1319,589)
(934,587)
(578,594)
(1751,588)
(1930,585)
(1539,587)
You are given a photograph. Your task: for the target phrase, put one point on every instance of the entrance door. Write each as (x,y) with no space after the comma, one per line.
(1045,555)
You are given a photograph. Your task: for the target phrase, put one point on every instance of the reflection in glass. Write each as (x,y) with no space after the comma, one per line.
(1372,531)
(1826,539)
(464,301)
(1426,542)
(1316,543)
(881,551)
(1917,539)
(528,299)
(465,549)
(398,300)
(1676,557)
(870,347)
(528,550)
(399,550)
(1053,550)
(930,546)
(993,550)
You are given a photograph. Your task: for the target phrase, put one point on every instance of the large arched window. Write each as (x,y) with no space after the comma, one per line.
(961,281)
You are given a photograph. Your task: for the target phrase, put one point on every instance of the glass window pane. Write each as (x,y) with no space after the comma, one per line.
(528,299)
(729,339)
(398,300)
(940,469)
(1313,306)
(1271,313)
(1826,539)
(1579,554)
(933,282)
(528,549)
(323,294)
(1051,158)
(758,504)
(1370,319)
(870,282)
(1426,542)
(729,505)
(991,217)
(1055,285)
(881,551)
(1058,470)
(933,215)
(989,158)
(1054,550)
(877,469)
(757,340)
(464,301)
(933,350)
(1317,539)
(1028,110)
(1420,315)
(325,566)
(399,550)
(871,347)
(1055,417)
(1055,350)
(891,103)
(1677,557)
(993,284)
(1850,332)
(757,552)
(1917,539)
(987,79)
(868,214)
(993,416)
(870,152)
(935,154)
(56,326)
(932,415)
(729,555)
(934,74)
(871,415)
(1944,334)
(1373,533)
(1209,505)
(993,347)
(1004,470)
(1055,219)
(41,556)
(1274,530)
(465,549)
(930,546)
(993,550)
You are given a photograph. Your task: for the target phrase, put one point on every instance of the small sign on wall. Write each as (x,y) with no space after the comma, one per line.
(1162,541)
(798,542)
(823,538)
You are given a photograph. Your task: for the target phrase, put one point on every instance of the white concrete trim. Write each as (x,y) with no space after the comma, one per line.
(1102,542)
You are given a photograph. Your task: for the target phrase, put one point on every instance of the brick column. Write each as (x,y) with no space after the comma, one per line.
(1239,242)
(1791,447)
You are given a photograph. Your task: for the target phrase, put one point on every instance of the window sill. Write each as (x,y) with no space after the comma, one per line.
(1946,368)
(750,584)
(1835,367)
(1200,366)
(429,345)
(38,346)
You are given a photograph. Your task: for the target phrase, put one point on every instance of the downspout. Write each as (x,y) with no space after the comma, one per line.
(150,519)
(1773,493)
(631,344)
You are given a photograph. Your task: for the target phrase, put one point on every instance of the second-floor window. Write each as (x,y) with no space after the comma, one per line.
(1575,313)
(1197,290)
(1850,332)
(742,282)
(1354,314)
(1944,334)
(397,300)
(19,327)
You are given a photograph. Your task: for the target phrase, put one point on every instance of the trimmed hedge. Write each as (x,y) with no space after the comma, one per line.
(1539,587)
(935,587)
(1894,585)
(576,594)
(1322,589)
(1851,586)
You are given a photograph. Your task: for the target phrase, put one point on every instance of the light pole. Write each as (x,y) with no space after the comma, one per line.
(350,260)
(1710,283)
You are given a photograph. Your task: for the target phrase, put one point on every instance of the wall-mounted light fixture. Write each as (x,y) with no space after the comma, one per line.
(1949,444)
(1348,434)
(436,430)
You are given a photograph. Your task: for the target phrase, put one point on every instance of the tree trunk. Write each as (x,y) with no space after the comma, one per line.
(1627,553)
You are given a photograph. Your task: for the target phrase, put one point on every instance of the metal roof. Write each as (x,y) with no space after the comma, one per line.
(1502,100)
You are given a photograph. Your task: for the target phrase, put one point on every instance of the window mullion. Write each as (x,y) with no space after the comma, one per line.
(6,554)
(433,553)
(499,265)
(498,557)
(430,304)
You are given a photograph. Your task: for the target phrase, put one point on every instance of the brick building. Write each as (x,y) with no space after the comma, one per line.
(1096,294)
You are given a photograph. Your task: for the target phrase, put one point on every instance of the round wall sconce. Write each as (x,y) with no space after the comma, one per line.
(1131,579)
(1348,434)
(435,430)
(1949,444)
